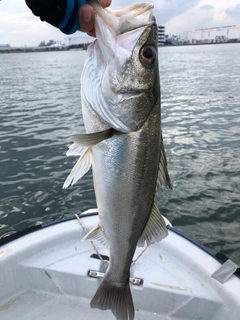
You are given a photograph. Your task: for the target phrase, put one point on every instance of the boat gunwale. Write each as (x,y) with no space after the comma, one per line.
(220,257)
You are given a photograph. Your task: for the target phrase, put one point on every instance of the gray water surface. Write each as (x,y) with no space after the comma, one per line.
(40,108)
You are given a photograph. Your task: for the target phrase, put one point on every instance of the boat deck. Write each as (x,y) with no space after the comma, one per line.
(44,276)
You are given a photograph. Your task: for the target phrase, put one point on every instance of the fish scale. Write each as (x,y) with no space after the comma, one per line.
(121,110)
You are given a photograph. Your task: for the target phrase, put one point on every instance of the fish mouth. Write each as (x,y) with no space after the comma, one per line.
(122,21)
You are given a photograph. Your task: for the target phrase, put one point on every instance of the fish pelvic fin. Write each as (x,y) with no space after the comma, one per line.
(117,298)
(74,150)
(81,167)
(82,146)
(96,234)
(163,176)
(155,229)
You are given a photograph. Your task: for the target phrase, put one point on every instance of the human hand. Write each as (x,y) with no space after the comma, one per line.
(86,17)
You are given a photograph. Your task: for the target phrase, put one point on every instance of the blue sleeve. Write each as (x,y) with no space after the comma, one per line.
(70,23)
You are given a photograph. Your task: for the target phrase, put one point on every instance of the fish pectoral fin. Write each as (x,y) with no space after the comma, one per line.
(163,176)
(91,139)
(96,234)
(81,167)
(155,229)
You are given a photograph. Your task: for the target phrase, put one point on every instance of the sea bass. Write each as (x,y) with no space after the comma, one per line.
(123,143)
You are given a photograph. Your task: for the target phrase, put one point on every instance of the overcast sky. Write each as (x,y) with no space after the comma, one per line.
(19,27)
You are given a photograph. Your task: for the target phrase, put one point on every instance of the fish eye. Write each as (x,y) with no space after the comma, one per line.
(147,55)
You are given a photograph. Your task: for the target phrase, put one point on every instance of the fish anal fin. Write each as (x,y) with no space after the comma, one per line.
(155,229)
(81,167)
(117,298)
(96,234)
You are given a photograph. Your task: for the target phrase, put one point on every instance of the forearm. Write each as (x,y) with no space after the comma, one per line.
(62,14)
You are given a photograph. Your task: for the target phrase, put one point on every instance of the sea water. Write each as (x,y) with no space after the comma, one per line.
(40,108)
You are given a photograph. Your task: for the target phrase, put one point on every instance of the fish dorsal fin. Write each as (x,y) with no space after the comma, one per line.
(81,167)
(163,176)
(91,139)
(155,229)
(96,234)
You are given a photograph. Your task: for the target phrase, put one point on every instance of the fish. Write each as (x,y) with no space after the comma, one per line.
(121,107)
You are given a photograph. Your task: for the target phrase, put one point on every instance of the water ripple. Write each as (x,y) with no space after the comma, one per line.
(40,108)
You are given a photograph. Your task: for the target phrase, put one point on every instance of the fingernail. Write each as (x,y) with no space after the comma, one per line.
(87,16)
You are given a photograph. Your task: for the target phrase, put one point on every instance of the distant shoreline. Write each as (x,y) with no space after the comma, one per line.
(41,49)
(27,50)
(193,45)
(80,47)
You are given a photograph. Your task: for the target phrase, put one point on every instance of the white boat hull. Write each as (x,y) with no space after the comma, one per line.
(44,275)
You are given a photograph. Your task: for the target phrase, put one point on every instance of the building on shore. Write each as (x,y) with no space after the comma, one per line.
(4,46)
(161,35)
(211,35)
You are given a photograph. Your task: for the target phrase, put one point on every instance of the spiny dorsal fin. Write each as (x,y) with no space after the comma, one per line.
(81,167)
(155,229)
(96,234)
(90,139)
(163,176)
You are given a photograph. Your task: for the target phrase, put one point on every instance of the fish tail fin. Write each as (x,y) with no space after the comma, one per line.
(116,298)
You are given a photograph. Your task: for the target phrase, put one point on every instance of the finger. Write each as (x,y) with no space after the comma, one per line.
(92,33)
(86,18)
(105,3)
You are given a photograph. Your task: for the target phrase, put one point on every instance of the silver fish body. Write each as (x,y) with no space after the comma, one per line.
(121,111)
